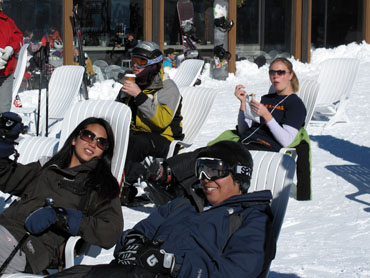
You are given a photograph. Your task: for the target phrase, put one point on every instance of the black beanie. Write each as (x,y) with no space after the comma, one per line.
(233,153)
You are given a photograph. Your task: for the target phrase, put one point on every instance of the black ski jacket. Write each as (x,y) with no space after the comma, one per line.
(102,220)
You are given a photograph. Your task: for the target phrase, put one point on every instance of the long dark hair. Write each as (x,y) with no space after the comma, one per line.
(101,177)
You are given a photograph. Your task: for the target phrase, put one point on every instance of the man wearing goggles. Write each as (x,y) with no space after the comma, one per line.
(156,108)
(224,232)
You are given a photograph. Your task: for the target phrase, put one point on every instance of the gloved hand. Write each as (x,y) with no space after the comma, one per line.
(10,128)
(157,172)
(2,63)
(140,251)
(67,220)
(7,52)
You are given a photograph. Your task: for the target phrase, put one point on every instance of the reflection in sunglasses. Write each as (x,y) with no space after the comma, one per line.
(278,72)
(89,136)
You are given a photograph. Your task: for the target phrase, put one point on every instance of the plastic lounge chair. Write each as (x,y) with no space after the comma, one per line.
(64,88)
(112,71)
(101,64)
(336,80)
(188,72)
(196,105)
(99,74)
(275,172)
(308,92)
(19,70)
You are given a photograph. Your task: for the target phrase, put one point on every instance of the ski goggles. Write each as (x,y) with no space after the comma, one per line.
(214,168)
(142,62)
(89,136)
(278,72)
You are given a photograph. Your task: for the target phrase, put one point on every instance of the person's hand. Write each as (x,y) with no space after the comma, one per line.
(7,52)
(2,63)
(260,110)
(241,95)
(67,220)
(131,88)
(10,128)
(140,251)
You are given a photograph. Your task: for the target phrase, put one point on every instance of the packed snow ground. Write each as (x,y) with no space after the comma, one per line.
(330,235)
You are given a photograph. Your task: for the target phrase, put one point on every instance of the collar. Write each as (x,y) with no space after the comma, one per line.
(74,171)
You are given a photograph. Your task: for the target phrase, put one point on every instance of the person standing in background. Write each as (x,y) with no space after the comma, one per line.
(11,39)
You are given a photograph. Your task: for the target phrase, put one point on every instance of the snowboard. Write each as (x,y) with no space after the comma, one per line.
(221,56)
(185,13)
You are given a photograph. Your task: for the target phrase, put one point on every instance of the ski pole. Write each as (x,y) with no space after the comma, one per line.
(15,250)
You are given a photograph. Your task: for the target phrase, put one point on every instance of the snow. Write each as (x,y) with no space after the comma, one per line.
(330,235)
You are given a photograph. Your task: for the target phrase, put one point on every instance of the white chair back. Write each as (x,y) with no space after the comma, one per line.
(99,74)
(188,72)
(32,148)
(336,80)
(101,64)
(20,69)
(196,105)
(308,92)
(112,71)
(273,171)
(64,87)
(117,114)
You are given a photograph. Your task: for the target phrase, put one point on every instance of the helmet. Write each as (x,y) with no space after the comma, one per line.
(237,156)
(149,51)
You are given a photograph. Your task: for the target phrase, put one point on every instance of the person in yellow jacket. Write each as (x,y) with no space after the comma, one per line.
(156,113)
(88,62)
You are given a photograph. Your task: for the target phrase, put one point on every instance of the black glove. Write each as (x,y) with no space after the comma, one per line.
(10,128)
(140,251)
(157,172)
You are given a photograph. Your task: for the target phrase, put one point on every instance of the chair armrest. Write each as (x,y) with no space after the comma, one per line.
(173,145)
(69,251)
(289,151)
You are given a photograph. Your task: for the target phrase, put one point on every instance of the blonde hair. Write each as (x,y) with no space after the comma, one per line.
(294,82)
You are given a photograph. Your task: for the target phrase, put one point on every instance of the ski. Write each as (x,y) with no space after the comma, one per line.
(77,31)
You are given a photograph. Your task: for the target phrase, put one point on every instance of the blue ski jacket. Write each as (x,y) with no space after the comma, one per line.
(201,241)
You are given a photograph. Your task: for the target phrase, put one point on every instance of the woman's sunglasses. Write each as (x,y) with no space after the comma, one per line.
(89,136)
(278,72)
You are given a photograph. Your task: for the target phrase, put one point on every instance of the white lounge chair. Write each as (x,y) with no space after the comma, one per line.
(102,65)
(308,92)
(336,80)
(64,88)
(19,70)
(275,172)
(188,72)
(196,105)
(99,74)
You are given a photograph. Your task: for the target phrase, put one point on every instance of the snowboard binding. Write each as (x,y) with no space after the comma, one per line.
(220,52)
(223,25)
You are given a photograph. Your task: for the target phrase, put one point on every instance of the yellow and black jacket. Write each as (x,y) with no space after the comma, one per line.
(156,109)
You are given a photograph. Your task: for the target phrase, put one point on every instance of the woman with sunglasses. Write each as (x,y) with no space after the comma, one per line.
(156,108)
(74,193)
(281,113)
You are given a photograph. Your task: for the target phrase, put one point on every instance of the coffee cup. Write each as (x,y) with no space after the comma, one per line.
(130,77)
